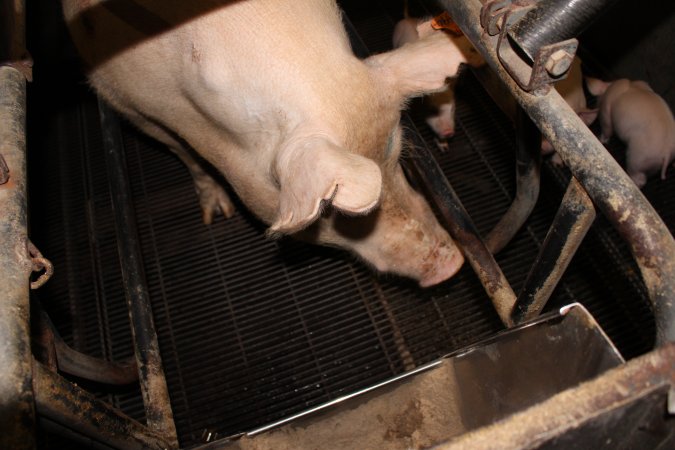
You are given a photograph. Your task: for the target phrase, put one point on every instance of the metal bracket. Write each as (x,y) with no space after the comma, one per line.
(549,65)
(39,263)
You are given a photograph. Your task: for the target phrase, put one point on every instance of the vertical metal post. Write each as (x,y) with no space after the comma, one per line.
(463,231)
(150,372)
(17,414)
(570,225)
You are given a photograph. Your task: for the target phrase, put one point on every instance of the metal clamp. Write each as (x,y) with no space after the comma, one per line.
(39,263)
(548,65)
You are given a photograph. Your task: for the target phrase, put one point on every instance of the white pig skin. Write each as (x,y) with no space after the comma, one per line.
(638,116)
(439,106)
(270,93)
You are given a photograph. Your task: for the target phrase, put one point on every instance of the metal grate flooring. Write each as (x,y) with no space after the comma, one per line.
(253,330)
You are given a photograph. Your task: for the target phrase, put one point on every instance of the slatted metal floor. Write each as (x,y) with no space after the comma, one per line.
(252,330)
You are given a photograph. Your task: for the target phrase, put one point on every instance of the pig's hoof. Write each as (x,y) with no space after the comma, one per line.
(213,199)
(557,161)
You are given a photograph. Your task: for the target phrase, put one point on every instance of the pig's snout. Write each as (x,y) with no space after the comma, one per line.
(420,250)
(438,265)
(449,261)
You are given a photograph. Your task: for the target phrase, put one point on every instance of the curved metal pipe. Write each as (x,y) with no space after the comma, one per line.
(607,184)
(528,171)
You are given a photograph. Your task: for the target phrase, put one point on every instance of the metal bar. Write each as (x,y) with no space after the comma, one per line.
(13,51)
(570,225)
(17,414)
(552,21)
(84,366)
(528,170)
(462,229)
(150,372)
(601,176)
(66,404)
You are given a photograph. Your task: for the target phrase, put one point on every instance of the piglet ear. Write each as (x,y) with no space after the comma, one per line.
(422,66)
(316,172)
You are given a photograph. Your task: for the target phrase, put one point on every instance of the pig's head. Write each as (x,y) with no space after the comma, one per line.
(343,185)
(368,208)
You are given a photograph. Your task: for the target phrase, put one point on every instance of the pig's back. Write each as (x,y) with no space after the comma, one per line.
(234,63)
(642,115)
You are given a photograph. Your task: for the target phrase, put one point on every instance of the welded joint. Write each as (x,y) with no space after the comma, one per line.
(498,14)
(551,62)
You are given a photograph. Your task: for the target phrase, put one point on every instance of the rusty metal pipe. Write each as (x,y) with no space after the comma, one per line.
(552,21)
(570,225)
(601,176)
(461,228)
(528,171)
(74,408)
(146,346)
(17,414)
(84,366)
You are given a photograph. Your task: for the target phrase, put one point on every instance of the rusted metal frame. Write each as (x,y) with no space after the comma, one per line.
(617,197)
(74,408)
(570,225)
(528,171)
(17,413)
(553,21)
(461,228)
(583,406)
(536,41)
(13,51)
(70,361)
(155,392)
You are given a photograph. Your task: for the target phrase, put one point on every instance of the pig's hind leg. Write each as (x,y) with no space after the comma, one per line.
(212,196)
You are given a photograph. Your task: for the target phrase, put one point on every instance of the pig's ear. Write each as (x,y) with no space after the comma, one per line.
(316,172)
(419,67)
